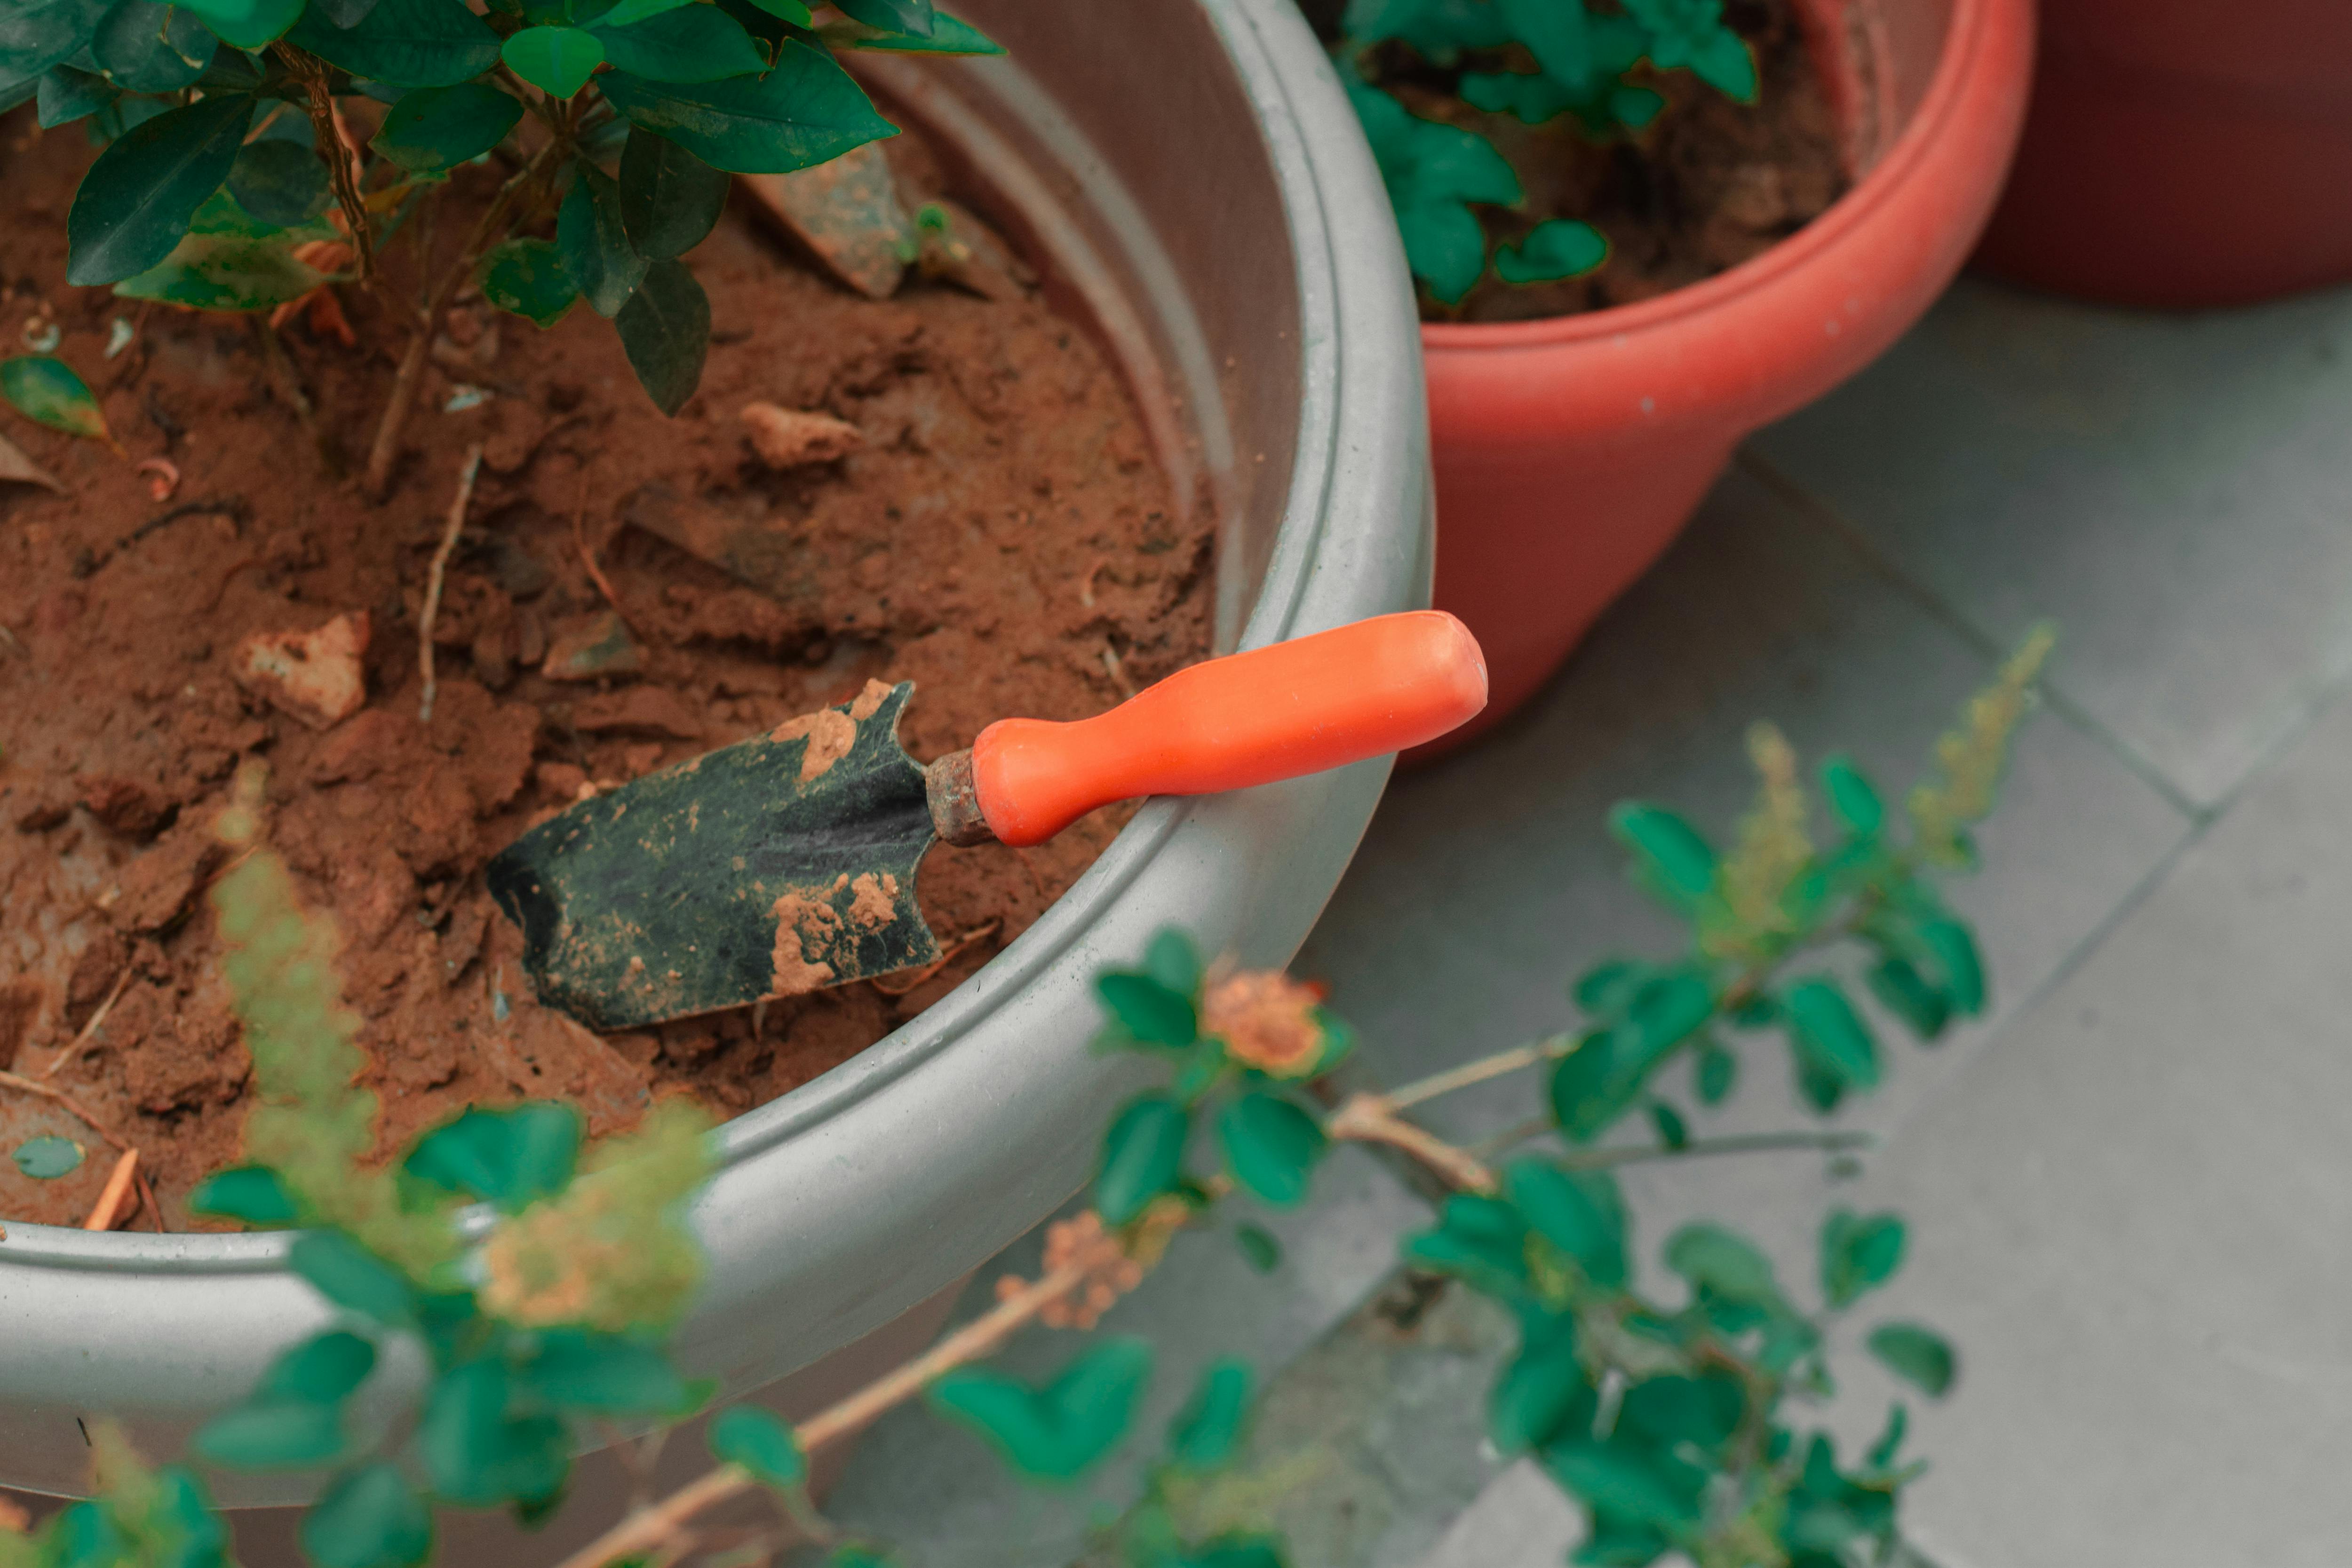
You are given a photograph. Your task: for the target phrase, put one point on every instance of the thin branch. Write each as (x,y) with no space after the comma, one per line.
(90,1030)
(647,1528)
(1546,1049)
(117,1186)
(588,558)
(449,533)
(328,137)
(50,1092)
(1372,1119)
(1746,1144)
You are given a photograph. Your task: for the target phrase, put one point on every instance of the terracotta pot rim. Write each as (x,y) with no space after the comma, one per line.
(1971,27)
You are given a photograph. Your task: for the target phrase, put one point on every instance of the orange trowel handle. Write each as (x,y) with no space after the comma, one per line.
(1296,708)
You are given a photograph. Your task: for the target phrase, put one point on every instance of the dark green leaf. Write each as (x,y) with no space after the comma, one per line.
(691,43)
(1151,1012)
(250,24)
(913,16)
(1673,1133)
(1828,1034)
(1206,1431)
(145,45)
(608,1373)
(803,112)
(1259,1248)
(666,329)
(1717,1071)
(1854,800)
(1918,1355)
(186,1532)
(368,1518)
(512,1157)
(748,1436)
(1725,63)
(1432,171)
(1955,951)
(1227,1551)
(556,60)
(1555,34)
(1614,1542)
(272,1435)
(1713,1258)
(476,1451)
(345,13)
(1858,1252)
(278,181)
(526,277)
(35,38)
(1907,994)
(251,1193)
(226,272)
(1271,1146)
(1704,1410)
(1580,1212)
(1668,1010)
(1670,858)
(1608,986)
(1544,1392)
(407,43)
(1628,1481)
(321,1370)
(46,391)
(669,198)
(950,36)
(1592,1086)
(1143,1155)
(623,13)
(67,95)
(1439,30)
(1882,1452)
(436,129)
(1480,1240)
(1552,250)
(1174,961)
(1055,1432)
(352,1277)
(593,242)
(48,1158)
(86,1537)
(135,202)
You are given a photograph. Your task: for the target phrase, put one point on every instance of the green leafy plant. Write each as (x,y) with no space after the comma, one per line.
(536,1285)
(228,179)
(1597,61)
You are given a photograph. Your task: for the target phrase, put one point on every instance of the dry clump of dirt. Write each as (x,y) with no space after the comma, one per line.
(997,531)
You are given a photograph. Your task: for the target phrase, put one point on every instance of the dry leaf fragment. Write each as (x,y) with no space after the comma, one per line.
(17,468)
(788,438)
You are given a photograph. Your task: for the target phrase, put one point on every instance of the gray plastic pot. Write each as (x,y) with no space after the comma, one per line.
(1193,172)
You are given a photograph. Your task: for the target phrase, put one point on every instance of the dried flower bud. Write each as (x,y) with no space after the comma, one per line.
(1266,1020)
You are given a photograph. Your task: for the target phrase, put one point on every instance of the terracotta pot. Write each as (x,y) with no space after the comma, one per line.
(2183,153)
(1569,451)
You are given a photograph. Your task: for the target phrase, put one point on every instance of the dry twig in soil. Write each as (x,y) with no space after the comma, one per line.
(450,532)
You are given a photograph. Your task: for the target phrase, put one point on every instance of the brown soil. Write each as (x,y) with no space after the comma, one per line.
(1709,184)
(1003,537)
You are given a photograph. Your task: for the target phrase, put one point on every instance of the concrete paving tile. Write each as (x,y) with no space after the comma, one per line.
(936,1493)
(2132,1214)
(2170,487)
(1488,881)
(1521,1520)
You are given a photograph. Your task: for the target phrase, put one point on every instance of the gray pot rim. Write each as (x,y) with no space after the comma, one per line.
(1266,47)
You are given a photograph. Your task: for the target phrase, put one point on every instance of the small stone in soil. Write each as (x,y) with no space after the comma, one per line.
(599,646)
(317,676)
(788,438)
(846,210)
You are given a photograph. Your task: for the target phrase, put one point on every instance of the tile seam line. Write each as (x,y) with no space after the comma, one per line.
(1830,520)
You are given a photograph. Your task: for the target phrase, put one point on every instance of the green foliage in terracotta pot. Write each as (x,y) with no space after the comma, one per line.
(1595,61)
(229,179)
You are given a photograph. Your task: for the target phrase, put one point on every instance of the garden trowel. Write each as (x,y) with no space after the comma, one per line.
(786,863)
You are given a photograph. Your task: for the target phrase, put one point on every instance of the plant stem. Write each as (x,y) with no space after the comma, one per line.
(647,1528)
(50,1092)
(1478,1071)
(1746,1144)
(328,137)
(1372,1119)
(385,448)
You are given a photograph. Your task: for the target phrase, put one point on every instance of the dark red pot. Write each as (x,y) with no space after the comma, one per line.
(2183,153)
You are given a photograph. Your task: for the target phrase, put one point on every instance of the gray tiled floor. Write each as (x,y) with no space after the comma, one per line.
(2129,1185)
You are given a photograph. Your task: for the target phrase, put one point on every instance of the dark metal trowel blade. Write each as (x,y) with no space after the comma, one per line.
(765,869)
